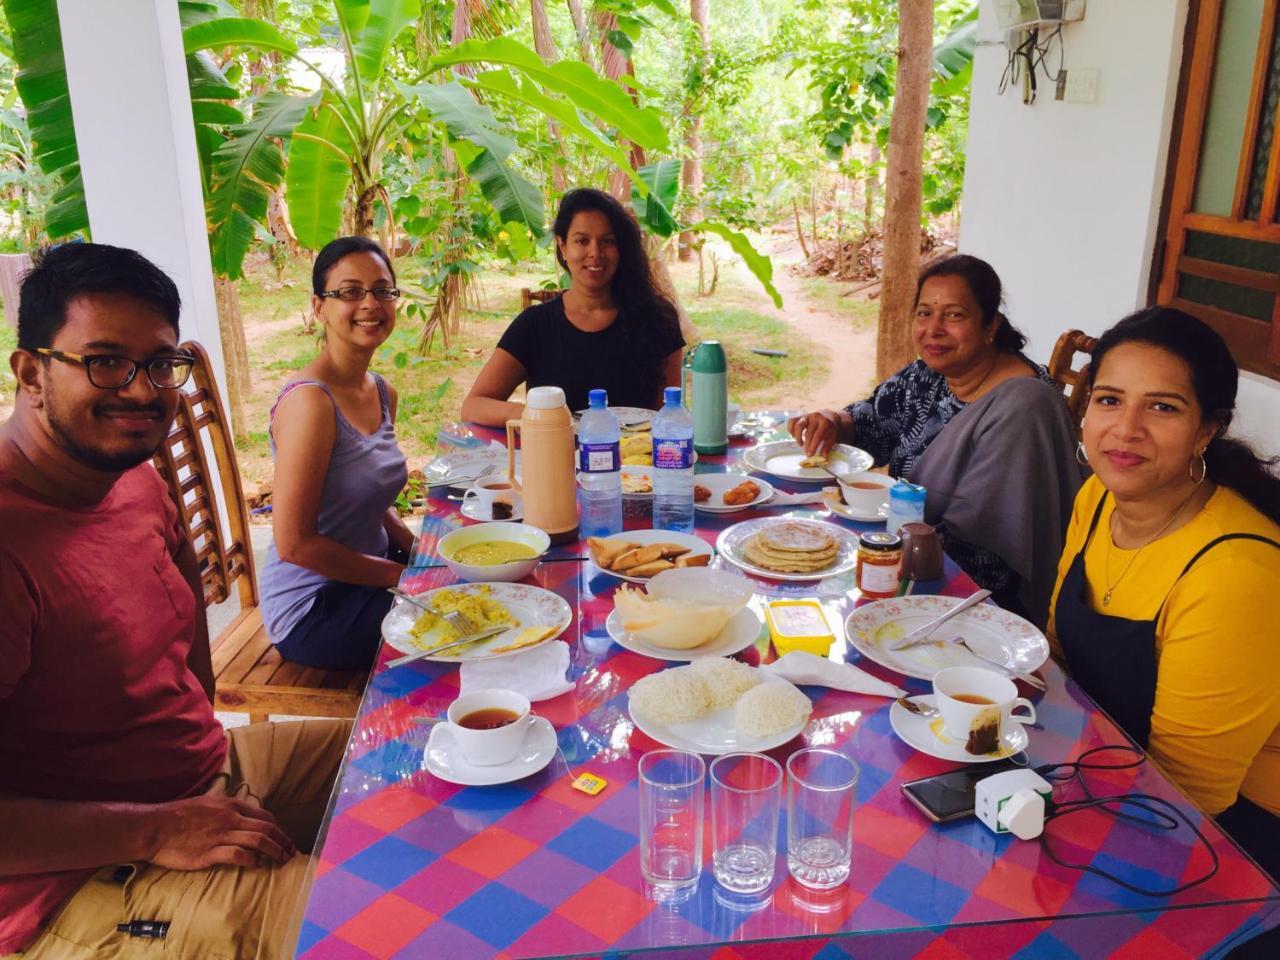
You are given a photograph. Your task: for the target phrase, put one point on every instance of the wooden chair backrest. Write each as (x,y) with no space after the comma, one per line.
(199,428)
(528,297)
(1073,381)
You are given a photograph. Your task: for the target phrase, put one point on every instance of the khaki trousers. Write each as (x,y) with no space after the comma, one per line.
(224,912)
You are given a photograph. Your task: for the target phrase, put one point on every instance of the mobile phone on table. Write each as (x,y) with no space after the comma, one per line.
(950,796)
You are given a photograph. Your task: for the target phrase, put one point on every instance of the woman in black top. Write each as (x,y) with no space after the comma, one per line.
(613,329)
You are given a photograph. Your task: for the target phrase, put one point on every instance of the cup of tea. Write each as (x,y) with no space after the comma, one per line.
(492,490)
(921,552)
(978,704)
(865,490)
(489,725)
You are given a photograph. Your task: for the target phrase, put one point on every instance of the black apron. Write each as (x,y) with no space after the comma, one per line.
(1114,660)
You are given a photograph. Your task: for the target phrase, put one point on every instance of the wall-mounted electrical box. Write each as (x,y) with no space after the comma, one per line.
(1024,14)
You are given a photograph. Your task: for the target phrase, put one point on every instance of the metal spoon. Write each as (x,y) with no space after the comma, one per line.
(1029,678)
(919,709)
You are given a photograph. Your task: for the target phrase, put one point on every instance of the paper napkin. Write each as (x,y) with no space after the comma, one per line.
(805,668)
(780,499)
(538,673)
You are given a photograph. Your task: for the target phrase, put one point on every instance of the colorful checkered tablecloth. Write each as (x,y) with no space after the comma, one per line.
(411,866)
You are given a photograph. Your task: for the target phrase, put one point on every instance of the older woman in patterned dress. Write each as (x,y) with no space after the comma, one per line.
(1002,479)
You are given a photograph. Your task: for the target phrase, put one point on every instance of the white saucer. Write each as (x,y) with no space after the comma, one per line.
(926,735)
(836,505)
(444,760)
(471,509)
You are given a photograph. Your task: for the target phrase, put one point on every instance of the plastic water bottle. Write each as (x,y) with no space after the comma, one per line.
(906,505)
(673,465)
(599,470)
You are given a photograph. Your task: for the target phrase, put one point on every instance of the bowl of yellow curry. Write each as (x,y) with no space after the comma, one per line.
(493,551)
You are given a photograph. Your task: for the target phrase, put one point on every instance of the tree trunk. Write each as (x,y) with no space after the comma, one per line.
(795,209)
(363,224)
(235,353)
(279,224)
(546,47)
(870,187)
(903,192)
(614,64)
(461,32)
(584,33)
(691,172)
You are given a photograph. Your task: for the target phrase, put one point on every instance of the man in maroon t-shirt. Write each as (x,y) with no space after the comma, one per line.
(120,795)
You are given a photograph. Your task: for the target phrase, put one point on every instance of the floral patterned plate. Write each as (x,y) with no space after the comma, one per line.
(528,606)
(996,633)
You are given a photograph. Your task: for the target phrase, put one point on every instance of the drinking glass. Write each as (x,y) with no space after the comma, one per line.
(671,800)
(746,793)
(820,816)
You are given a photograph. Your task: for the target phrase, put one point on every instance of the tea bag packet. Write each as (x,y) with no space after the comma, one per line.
(538,673)
(806,668)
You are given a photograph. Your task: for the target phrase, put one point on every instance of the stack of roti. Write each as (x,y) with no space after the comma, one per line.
(791,547)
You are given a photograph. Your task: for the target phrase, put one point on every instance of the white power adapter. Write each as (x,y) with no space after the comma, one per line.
(1013,802)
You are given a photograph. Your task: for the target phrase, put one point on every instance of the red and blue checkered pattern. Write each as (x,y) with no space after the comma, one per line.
(411,866)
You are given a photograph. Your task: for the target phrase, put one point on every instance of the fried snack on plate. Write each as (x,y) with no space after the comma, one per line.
(636,557)
(694,560)
(744,492)
(605,551)
(700,493)
(817,460)
(526,638)
(649,569)
(636,483)
(672,550)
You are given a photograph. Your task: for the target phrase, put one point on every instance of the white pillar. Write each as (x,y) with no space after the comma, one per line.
(131,103)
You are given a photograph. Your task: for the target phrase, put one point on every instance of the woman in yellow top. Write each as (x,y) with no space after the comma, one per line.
(1165,605)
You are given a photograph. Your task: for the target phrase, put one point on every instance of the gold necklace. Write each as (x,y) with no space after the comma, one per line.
(1112,584)
(973,394)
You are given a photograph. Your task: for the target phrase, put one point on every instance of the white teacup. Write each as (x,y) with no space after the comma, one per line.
(470,718)
(731,412)
(865,490)
(488,489)
(964,693)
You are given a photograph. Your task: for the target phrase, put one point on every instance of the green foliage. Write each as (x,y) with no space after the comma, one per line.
(653,208)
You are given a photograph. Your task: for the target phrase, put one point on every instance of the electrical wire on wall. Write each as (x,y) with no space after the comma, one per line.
(1029,55)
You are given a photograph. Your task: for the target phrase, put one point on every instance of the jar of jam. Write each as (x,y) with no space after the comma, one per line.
(879,557)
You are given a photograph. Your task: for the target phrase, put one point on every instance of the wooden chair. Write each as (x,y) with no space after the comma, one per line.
(1073,382)
(529,297)
(251,676)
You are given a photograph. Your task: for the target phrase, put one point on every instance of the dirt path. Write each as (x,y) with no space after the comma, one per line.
(852,352)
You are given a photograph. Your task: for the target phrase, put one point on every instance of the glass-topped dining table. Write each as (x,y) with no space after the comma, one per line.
(411,866)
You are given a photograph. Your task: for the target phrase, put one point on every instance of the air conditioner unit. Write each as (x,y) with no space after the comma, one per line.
(1023,14)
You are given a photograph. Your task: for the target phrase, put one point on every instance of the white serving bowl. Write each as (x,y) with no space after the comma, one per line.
(483,532)
(702,585)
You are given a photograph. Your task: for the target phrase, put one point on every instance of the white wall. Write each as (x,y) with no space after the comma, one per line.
(1064,198)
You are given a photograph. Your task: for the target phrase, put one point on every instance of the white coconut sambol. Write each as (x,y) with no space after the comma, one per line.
(684,694)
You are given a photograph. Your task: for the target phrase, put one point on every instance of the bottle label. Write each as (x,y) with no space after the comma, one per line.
(877,579)
(599,457)
(673,454)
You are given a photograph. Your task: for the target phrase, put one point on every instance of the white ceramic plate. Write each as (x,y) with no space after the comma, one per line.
(730,546)
(738,634)
(835,503)
(630,419)
(996,632)
(720,483)
(443,758)
(462,466)
(473,510)
(636,470)
(714,734)
(927,735)
(530,606)
(782,459)
(697,546)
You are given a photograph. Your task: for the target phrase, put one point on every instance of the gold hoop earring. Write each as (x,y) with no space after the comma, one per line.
(1204,469)
(1082,455)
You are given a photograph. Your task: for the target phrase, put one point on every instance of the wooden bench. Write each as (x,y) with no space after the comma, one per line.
(529,297)
(251,675)
(1073,382)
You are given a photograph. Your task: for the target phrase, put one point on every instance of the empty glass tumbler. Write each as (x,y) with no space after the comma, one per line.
(671,803)
(820,800)
(746,794)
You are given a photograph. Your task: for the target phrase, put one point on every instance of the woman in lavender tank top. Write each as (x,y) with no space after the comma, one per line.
(339,542)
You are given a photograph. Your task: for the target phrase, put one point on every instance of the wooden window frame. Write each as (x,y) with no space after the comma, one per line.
(1255,344)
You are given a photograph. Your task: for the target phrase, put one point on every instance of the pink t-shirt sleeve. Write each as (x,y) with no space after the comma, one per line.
(19,608)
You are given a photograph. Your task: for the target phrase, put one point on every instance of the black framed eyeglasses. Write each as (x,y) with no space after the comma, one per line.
(109,372)
(356,294)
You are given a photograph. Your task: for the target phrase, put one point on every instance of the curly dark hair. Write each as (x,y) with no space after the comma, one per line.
(643,308)
(984,284)
(1215,378)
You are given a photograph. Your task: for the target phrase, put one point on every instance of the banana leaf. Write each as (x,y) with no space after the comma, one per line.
(372,42)
(654,211)
(319,175)
(236,32)
(756,262)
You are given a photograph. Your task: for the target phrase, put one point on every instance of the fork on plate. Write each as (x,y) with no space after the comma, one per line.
(454,479)
(1029,678)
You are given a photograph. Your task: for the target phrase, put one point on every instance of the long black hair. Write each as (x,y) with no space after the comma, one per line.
(644,311)
(984,284)
(1215,378)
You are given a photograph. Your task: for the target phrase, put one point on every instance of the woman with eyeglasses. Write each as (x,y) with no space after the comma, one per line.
(1164,606)
(339,542)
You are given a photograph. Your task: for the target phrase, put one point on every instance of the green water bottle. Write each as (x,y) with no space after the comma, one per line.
(709,396)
